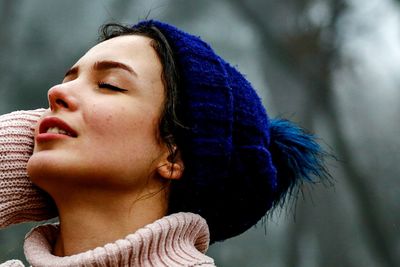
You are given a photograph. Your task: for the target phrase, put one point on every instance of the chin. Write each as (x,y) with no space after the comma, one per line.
(38,167)
(45,167)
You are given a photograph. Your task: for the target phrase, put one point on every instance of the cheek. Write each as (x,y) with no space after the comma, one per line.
(122,140)
(119,125)
(105,118)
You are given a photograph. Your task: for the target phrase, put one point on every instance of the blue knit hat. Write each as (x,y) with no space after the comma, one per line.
(238,163)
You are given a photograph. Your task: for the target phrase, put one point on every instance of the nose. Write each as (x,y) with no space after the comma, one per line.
(60,97)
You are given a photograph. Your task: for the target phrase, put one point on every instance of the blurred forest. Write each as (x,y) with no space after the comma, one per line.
(331,65)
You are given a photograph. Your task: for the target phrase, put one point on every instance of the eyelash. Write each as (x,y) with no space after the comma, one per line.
(111,87)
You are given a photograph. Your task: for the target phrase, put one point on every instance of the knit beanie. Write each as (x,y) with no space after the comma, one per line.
(238,163)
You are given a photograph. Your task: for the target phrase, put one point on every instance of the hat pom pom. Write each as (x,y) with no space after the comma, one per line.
(297,157)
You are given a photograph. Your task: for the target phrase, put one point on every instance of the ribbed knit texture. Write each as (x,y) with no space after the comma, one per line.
(20,200)
(179,239)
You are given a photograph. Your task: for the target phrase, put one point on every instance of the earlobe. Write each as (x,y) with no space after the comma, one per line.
(171,170)
(171,166)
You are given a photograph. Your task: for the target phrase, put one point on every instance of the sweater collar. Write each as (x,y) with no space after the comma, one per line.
(174,240)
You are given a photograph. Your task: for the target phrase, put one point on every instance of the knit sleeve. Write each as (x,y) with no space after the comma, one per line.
(20,200)
(12,263)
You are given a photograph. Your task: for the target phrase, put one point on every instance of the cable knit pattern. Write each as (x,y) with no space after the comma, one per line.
(20,200)
(180,239)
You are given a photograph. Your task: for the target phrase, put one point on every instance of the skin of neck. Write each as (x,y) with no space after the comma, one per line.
(91,217)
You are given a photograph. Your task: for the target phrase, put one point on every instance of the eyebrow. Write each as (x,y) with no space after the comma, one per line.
(104,65)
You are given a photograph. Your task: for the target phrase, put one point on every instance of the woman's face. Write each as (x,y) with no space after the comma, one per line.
(102,125)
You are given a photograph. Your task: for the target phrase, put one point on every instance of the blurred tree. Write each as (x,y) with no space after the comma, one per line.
(309,51)
(8,9)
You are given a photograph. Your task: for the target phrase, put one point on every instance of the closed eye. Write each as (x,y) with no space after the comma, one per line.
(111,87)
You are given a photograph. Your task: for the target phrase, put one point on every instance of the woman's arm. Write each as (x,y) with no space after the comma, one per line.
(20,200)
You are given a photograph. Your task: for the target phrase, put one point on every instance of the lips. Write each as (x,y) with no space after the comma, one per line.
(53,127)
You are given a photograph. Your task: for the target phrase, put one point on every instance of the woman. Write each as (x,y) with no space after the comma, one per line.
(153,147)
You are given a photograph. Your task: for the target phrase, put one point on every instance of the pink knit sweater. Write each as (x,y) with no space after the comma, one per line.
(20,200)
(179,239)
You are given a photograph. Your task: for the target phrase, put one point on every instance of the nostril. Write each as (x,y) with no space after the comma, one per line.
(62,103)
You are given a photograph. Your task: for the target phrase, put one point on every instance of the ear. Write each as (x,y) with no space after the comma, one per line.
(170,169)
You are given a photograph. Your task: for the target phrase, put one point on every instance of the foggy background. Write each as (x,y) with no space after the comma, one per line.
(330,65)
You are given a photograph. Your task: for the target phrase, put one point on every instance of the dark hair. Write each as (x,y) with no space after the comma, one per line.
(169,121)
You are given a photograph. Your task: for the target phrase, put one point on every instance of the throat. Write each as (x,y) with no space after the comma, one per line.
(84,226)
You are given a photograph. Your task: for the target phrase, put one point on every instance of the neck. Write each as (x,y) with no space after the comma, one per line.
(91,219)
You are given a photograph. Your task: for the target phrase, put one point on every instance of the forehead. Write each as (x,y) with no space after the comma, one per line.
(133,50)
